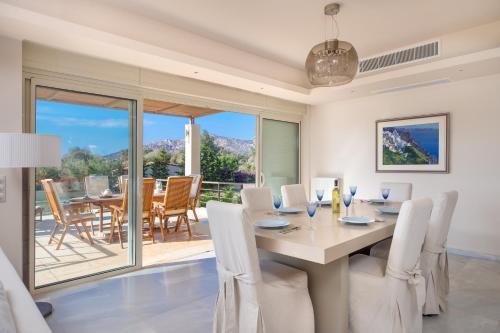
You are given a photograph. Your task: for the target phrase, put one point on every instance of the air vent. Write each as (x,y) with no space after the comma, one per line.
(400,57)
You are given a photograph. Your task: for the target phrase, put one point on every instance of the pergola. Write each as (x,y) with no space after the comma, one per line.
(192,131)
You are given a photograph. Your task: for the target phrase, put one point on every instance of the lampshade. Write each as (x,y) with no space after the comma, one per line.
(24,150)
(332,63)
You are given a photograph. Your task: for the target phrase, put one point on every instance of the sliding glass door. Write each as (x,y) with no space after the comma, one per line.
(280,153)
(84,211)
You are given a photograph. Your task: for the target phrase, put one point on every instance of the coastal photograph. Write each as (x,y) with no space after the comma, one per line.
(411,145)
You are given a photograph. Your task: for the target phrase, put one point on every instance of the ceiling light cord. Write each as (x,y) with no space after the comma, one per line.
(335,27)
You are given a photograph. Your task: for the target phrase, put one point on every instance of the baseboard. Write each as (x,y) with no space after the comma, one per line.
(473,254)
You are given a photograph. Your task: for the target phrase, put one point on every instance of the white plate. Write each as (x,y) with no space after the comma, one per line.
(389,210)
(356,219)
(290,210)
(376,201)
(272,224)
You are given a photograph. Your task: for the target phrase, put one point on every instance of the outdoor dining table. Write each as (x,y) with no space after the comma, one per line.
(104,203)
(323,253)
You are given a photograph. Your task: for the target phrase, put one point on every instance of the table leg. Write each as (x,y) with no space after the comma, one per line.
(328,287)
(101,218)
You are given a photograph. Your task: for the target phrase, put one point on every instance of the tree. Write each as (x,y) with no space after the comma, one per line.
(216,164)
(159,164)
(209,152)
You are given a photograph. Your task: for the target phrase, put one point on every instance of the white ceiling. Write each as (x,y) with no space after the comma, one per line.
(261,45)
(285,30)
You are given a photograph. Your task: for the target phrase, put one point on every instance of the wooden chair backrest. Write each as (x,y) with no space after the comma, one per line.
(177,193)
(147,194)
(124,207)
(54,203)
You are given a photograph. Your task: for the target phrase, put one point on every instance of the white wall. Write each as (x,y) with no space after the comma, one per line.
(11,121)
(343,143)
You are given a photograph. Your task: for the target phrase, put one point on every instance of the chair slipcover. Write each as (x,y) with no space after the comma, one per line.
(294,195)
(254,297)
(399,191)
(434,258)
(388,296)
(257,198)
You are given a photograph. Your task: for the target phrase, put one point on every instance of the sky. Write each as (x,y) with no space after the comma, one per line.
(105,131)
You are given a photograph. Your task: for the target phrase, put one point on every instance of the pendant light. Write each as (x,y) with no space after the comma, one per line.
(333,62)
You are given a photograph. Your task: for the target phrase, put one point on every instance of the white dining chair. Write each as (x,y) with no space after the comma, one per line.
(294,195)
(388,295)
(399,191)
(254,296)
(434,258)
(257,198)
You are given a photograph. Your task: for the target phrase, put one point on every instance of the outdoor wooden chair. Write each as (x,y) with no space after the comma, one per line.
(119,216)
(120,213)
(148,213)
(175,203)
(194,196)
(94,186)
(66,218)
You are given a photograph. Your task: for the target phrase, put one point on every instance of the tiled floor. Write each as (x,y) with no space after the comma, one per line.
(77,257)
(179,298)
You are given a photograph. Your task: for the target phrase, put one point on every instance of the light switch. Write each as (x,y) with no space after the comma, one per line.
(3,188)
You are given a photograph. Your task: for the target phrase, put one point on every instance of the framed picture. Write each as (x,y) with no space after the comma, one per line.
(413,144)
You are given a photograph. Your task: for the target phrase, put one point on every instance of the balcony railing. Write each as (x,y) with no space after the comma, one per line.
(220,191)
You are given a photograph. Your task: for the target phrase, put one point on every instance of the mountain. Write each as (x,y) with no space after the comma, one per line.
(233,145)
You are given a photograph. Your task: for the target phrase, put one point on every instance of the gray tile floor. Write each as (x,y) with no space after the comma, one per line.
(179,298)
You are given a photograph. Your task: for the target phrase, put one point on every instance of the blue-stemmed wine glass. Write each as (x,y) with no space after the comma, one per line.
(385,194)
(277,203)
(311,210)
(353,189)
(347,197)
(319,195)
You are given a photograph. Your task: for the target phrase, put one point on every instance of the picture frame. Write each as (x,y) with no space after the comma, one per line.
(413,144)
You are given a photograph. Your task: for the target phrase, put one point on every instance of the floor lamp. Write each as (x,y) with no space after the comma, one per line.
(24,150)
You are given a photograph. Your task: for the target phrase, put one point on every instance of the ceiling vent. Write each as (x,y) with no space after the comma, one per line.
(399,57)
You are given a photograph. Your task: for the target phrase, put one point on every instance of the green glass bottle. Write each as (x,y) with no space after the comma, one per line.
(336,197)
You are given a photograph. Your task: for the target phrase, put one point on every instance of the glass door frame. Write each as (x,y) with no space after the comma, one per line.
(277,117)
(84,86)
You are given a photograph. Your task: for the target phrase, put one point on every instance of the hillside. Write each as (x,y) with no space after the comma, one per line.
(233,145)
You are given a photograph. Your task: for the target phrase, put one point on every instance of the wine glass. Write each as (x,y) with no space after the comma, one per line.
(311,210)
(347,198)
(385,194)
(319,195)
(277,203)
(353,189)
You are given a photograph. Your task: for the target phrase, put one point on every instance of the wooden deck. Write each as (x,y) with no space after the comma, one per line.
(77,257)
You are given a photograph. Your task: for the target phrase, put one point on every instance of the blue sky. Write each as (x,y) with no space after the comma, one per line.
(105,131)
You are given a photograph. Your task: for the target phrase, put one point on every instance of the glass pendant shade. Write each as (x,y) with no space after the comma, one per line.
(332,63)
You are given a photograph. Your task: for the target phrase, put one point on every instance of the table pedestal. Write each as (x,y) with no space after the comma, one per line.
(328,287)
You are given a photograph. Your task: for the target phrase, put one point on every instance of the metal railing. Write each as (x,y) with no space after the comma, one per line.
(220,191)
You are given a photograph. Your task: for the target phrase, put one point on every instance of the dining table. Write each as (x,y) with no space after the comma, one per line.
(321,247)
(103,202)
